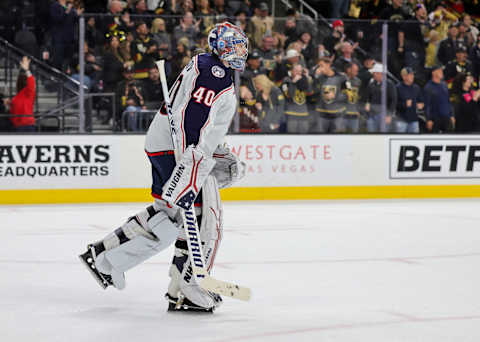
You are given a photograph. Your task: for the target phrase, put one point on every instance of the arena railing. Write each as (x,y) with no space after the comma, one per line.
(51,84)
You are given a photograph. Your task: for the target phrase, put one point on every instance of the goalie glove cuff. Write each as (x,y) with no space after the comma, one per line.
(187,178)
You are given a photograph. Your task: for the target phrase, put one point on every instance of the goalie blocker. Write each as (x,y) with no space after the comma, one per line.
(190,173)
(187,178)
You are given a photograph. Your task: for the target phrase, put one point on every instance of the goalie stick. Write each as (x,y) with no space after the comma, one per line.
(195,252)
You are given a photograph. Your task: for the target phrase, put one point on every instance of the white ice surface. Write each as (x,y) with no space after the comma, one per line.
(376,271)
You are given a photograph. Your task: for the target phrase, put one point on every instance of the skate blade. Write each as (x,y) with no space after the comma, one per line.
(185,306)
(99,279)
(188,309)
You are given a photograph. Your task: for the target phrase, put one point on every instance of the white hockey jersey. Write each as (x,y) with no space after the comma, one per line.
(203,104)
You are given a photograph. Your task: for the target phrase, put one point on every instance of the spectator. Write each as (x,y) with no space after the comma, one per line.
(292,57)
(459,65)
(187,6)
(330,99)
(291,32)
(270,104)
(92,69)
(130,100)
(308,50)
(180,58)
(278,41)
(126,23)
(241,20)
(93,36)
(221,9)
(346,56)
(115,59)
(353,84)
(247,111)
(21,106)
(297,46)
(440,20)
(464,37)
(296,87)
(160,36)
(63,18)
(268,53)
(333,42)
(112,22)
(410,99)
(438,109)
(303,22)
(412,39)
(241,5)
(358,32)
(187,28)
(153,89)
(396,13)
(180,7)
(432,49)
(201,44)
(377,119)
(471,29)
(411,6)
(144,50)
(261,24)
(467,109)
(254,68)
(475,58)
(448,46)
(141,9)
(205,15)
(365,74)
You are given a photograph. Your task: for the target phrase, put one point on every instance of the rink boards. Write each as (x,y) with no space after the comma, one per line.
(114,168)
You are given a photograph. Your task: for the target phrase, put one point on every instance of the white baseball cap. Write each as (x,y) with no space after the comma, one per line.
(291,53)
(377,68)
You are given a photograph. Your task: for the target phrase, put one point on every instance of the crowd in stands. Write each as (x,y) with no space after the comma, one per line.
(302,76)
(332,81)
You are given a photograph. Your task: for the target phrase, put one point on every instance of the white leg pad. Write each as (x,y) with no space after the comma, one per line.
(210,233)
(142,237)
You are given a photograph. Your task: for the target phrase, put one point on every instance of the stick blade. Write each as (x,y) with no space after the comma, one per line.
(225,288)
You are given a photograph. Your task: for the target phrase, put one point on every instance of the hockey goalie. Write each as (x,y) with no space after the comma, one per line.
(203,103)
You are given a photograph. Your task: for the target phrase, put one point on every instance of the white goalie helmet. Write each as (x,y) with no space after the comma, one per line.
(230,44)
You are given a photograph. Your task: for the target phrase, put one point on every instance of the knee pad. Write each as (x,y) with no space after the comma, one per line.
(142,236)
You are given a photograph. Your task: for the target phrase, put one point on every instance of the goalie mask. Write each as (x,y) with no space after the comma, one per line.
(230,44)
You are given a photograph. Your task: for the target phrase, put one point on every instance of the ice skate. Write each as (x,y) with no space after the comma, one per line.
(88,259)
(182,304)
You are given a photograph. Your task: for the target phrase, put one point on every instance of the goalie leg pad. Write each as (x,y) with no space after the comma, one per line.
(141,237)
(183,284)
(182,279)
